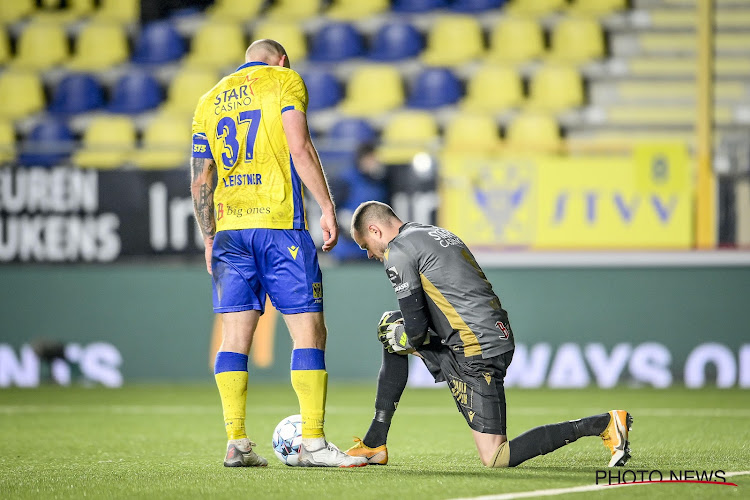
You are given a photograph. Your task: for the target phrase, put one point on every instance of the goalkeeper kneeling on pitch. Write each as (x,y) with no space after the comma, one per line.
(451,318)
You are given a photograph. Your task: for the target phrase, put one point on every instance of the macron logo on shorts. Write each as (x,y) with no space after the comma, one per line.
(293,250)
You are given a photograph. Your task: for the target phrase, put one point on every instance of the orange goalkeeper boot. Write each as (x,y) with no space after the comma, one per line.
(374,456)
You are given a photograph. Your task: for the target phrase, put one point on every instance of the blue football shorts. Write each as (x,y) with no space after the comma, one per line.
(247,264)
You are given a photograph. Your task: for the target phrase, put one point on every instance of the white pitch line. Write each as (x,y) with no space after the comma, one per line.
(565,491)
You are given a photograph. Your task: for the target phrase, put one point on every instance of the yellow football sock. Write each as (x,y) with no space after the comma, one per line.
(310,382)
(232,383)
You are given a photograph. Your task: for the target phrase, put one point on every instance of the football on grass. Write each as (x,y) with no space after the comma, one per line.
(287,439)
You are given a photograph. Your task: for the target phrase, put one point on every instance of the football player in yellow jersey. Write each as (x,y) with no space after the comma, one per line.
(252,154)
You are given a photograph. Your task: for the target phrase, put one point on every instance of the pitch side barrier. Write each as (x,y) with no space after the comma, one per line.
(578,322)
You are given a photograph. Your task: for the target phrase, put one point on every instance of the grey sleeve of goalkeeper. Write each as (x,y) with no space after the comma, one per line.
(416,317)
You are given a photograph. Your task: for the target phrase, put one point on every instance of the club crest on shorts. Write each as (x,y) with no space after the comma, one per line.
(503,329)
(317,289)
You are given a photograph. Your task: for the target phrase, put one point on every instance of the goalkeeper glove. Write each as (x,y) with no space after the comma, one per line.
(392,335)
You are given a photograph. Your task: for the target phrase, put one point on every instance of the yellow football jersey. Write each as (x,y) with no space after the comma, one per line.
(238,124)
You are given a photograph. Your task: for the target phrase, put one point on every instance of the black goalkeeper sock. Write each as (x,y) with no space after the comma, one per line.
(394,372)
(547,438)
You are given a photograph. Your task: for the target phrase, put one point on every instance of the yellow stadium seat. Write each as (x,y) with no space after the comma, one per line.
(7,142)
(515,40)
(187,86)
(352,10)
(290,35)
(555,88)
(533,132)
(471,133)
(372,90)
(61,12)
(108,142)
(235,10)
(120,11)
(217,45)
(294,10)
(598,7)
(13,10)
(577,39)
(493,89)
(100,45)
(4,47)
(405,135)
(166,143)
(453,40)
(41,46)
(21,93)
(535,8)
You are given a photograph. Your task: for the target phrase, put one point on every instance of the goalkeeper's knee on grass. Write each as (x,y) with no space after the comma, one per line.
(501,458)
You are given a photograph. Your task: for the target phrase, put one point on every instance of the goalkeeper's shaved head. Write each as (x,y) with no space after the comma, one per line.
(373,212)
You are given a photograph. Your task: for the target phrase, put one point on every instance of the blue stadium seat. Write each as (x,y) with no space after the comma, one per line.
(396,41)
(323,89)
(433,88)
(418,5)
(77,93)
(352,131)
(336,42)
(158,43)
(135,92)
(476,5)
(49,143)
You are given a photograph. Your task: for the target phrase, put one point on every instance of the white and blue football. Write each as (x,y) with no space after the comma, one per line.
(287,439)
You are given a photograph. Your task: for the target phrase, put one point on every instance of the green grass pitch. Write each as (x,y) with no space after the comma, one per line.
(168,442)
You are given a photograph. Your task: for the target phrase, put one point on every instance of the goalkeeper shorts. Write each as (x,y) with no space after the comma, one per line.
(247,264)
(477,384)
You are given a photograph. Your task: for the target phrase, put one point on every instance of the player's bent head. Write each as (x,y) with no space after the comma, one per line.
(372,212)
(267,51)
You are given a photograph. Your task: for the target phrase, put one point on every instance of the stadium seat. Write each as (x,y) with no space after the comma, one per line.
(294,10)
(352,10)
(135,92)
(108,142)
(49,143)
(335,42)
(288,34)
(598,7)
(556,88)
(394,41)
(435,87)
(352,132)
(516,40)
(323,89)
(166,144)
(217,45)
(14,10)
(4,47)
(77,93)
(533,132)
(372,90)
(471,133)
(7,142)
(577,39)
(119,11)
(235,10)
(64,11)
(21,93)
(187,86)
(417,5)
(158,43)
(453,40)
(475,5)
(99,46)
(493,89)
(406,134)
(535,8)
(41,46)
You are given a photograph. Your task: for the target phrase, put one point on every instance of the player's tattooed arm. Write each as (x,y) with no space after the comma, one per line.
(202,174)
